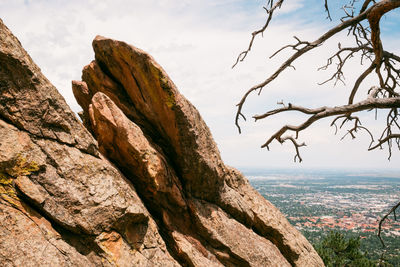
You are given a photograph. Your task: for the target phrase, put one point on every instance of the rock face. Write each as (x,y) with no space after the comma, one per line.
(62,203)
(150,189)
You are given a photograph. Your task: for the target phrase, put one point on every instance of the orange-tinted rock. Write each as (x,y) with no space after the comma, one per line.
(156,181)
(124,142)
(176,124)
(140,98)
(82,94)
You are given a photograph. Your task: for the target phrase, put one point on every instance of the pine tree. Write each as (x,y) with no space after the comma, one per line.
(336,250)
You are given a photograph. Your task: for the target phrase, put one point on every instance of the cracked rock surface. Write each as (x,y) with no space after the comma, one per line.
(139,183)
(62,203)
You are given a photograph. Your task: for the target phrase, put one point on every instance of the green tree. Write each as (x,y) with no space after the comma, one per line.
(336,250)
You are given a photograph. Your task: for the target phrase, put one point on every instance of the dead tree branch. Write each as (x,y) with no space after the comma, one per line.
(362,23)
(271,7)
(364,27)
(344,111)
(296,55)
(384,218)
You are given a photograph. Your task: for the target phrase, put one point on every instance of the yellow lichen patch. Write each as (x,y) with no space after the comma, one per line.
(8,193)
(170,99)
(21,166)
(5,179)
(7,190)
(18,167)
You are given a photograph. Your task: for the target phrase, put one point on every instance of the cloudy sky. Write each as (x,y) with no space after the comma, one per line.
(196,42)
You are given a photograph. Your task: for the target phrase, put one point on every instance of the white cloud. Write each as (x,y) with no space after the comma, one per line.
(196,42)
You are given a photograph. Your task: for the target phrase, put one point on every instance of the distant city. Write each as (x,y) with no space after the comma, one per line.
(319,201)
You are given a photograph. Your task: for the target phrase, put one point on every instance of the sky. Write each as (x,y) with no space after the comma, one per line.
(197,42)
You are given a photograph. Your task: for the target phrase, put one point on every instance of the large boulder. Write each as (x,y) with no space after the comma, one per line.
(158,139)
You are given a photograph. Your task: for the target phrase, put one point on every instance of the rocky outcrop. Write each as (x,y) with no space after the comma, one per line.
(150,189)
(159,141)
(62,203)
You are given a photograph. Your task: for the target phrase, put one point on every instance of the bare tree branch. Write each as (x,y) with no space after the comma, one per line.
(368,47)
(327,10)
(324,112)
(351,51)
(359,81)
(362,24)
(365,5)
(296,55)
(270,12)
(381,221)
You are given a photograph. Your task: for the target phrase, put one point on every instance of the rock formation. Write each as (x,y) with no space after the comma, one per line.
(150,189)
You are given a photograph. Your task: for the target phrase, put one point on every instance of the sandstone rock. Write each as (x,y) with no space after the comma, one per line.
(28,239)
(31,103)
(149,190)
(124,142)
(249,247)
(176,124)
(135,103)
